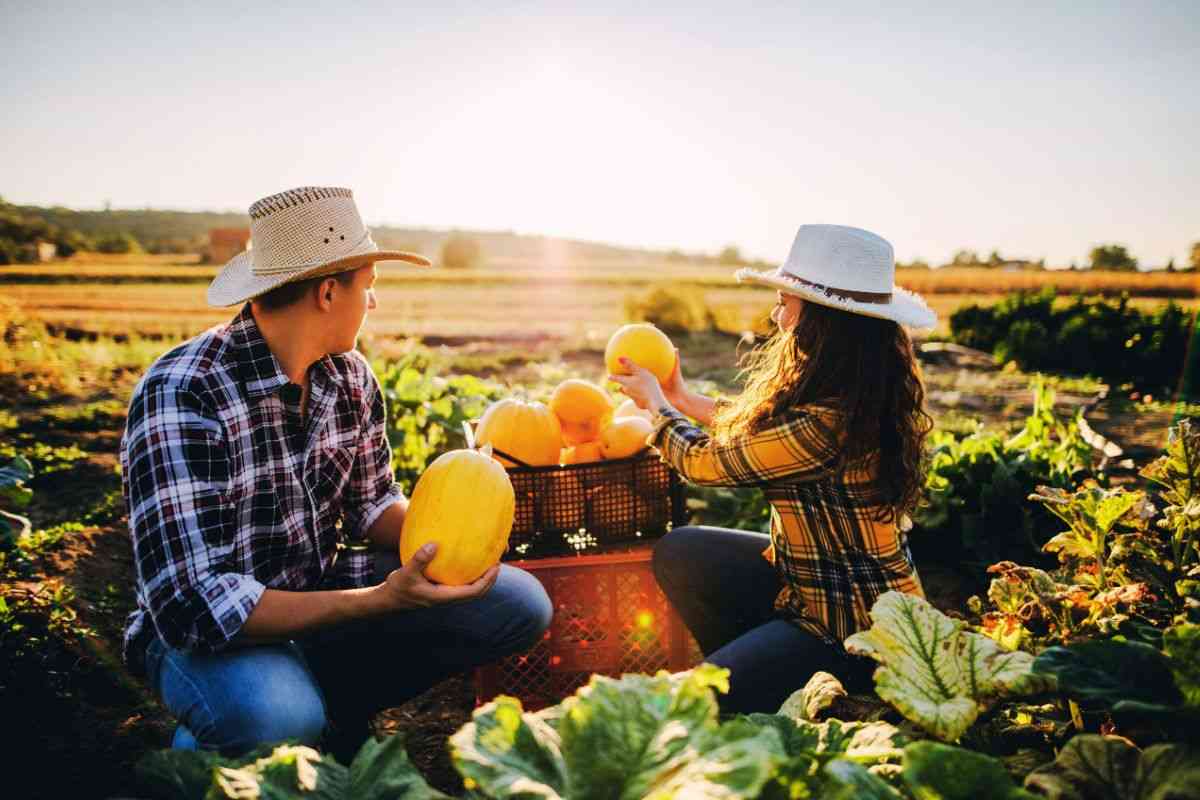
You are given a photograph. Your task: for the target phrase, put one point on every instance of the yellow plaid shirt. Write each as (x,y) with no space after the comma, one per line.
(833,557)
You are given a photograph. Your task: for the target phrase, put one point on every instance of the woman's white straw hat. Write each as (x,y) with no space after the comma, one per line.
(846,268)
(298,234)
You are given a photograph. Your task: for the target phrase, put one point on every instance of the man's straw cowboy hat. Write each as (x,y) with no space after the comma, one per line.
(298,234)
(846,268)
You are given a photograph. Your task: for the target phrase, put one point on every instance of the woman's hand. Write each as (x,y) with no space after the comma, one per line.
(675,390)
(642,387)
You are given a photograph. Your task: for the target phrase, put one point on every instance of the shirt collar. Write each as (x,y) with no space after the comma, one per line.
(257,366)
(258,369)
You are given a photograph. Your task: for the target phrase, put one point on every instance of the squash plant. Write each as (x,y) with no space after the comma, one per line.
(976,487)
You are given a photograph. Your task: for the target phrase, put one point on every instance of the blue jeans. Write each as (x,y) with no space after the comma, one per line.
(337,678)
(723,588)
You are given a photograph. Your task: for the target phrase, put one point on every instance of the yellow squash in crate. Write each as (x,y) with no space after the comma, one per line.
(644,345)
(584,453)
(624,436)
(583,409)
(465,502)
(630,409)
(528,431)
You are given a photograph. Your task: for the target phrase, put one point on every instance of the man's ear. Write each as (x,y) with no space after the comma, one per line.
(324,293)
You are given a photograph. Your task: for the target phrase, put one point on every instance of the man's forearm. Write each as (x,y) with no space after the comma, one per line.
(384,533)
(281,614)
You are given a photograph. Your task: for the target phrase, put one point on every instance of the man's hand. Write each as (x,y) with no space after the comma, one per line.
(408,587)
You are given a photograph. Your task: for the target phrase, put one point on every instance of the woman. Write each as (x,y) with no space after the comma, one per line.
(831,427)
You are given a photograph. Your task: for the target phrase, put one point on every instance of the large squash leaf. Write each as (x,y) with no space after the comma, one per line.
(1182,645)
(383,771)
(634,737)
(1095,767)
(1105,673)
(936,673)
(936,771)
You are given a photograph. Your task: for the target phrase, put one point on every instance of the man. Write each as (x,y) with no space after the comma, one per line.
(265,517)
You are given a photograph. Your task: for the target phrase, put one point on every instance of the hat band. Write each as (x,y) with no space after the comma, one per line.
(881,298)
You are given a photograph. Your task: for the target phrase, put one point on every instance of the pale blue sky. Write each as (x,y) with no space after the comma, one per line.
(1039,131)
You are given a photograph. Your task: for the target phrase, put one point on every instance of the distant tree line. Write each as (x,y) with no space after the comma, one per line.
(164,231)
(1106,257)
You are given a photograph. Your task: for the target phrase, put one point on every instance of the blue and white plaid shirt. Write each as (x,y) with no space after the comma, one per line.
(230,491)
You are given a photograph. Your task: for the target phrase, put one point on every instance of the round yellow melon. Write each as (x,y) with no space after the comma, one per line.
(582,408)
(584,453)
(465,502)
(644,345)
(630,409)
(624,436)
(528,431)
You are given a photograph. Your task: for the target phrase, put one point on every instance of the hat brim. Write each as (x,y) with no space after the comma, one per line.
(236,282)
(905,307)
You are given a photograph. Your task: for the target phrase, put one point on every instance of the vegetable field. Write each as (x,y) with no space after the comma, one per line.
(1057,655)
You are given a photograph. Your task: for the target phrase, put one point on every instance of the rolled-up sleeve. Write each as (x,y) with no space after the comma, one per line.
(372,487)
(802,446)
(176,477)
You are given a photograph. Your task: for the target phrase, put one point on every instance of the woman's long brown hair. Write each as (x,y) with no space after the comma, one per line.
(863,366)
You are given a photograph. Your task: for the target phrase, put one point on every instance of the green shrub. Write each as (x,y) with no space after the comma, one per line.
(1094,336)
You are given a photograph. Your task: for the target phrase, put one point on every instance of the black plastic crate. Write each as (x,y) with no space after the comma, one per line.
(582,508)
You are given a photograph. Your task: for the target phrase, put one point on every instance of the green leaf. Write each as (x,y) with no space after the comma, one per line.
(177,774)
(1114,506)
(817,695)
(846,780)
(634,737)
(935,771)
(506,752)
(1182,646)
(935,672)
(626,738)
(1093,767)
(289,772)
(867,741)
(12,482)
(1106,672)
(382,771)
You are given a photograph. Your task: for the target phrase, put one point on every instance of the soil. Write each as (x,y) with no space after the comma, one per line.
(84,721)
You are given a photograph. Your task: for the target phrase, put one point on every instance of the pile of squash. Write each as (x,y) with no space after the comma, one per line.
(579,425)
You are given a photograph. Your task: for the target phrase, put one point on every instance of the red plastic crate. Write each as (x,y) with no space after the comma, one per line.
(610,617)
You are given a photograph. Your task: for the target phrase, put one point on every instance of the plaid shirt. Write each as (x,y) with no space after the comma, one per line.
(834,559)
(230,491)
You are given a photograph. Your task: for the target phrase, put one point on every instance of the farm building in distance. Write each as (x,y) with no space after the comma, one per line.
(225,243)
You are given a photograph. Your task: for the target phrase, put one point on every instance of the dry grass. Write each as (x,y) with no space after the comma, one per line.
(96,268)
(164,295)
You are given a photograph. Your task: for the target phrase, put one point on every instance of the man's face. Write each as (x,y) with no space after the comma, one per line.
(350,306)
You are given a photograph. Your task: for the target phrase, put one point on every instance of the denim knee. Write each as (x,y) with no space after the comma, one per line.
(669,556)
(529,612)
(270,717)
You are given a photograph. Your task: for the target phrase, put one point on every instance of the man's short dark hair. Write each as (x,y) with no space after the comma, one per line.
(290,293)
